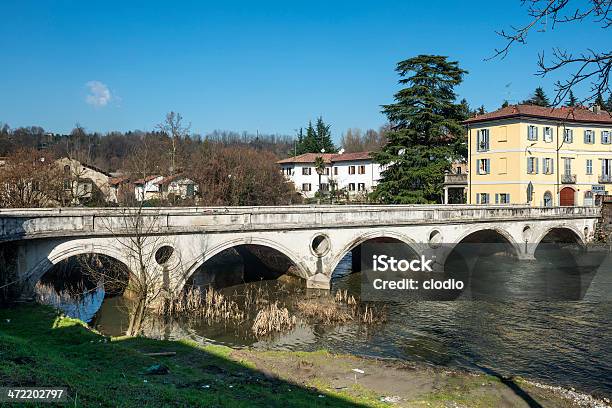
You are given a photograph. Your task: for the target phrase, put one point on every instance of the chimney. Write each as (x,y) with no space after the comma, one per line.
(596,109)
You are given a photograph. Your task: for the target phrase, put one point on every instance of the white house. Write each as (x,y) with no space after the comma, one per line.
(147,188)
(177,186)
(356,173)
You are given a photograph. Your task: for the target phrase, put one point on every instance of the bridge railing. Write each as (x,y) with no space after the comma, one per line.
(35,223)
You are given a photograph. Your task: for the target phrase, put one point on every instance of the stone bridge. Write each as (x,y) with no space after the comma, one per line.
(313,238)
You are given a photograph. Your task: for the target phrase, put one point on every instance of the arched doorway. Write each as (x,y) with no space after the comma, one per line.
(548,201)
(566,197)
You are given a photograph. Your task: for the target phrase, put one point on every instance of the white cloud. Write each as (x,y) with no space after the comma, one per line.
(99,94)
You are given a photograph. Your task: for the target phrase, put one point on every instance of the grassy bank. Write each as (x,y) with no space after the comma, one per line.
(39,348)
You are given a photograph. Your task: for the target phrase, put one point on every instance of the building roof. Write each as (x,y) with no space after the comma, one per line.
(566,114)
(327,157)
(170,179)
(115,181)
(147,179)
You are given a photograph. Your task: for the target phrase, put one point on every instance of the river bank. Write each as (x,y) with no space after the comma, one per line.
(40,348)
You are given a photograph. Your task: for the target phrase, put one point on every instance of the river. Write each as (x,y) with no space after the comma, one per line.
(558,342)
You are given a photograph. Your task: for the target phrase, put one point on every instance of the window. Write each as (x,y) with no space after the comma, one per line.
(589,137)
(67,185)
(605,137)
(326,172)
(351,169)
(67,169)
(532,132)
(482,198)
(324,187)
(35,185)
(589,166)
(568,136)
(548,166)
(532,165)
(306,171)
(306,187)
(503,134)
(502,198)
(361,169)
(567,166)
(190,190)
(484,166)
(351,186)
(335,171)
(606,169)
(482,140)
(588,198)
(548,134)
(361,187)
(548,199)
(503,165)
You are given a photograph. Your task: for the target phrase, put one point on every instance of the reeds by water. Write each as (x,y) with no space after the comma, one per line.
(272,319)
(208,304)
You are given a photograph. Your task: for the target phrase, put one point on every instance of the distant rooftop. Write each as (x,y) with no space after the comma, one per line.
(580,114)
(327,157)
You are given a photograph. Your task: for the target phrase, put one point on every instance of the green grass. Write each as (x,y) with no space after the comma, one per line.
(40,348)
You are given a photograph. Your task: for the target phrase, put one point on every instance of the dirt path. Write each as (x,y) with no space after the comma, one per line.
(407,385)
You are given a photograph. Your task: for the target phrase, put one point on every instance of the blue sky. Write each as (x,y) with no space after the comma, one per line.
(244,65)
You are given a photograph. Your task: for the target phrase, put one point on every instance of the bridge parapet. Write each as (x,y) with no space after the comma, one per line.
(17,224)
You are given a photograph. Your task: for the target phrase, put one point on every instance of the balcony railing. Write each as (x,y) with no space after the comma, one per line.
(455,178)
(606,178)
(568,178)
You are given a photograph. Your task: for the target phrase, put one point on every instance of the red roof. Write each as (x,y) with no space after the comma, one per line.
(327,157)
(565,114)
(115,181)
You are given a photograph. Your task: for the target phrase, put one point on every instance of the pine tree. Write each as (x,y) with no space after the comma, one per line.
(571,100)
(505,104)
(317,138)
(539,98)
(426,131)
(608,105)
(599,101)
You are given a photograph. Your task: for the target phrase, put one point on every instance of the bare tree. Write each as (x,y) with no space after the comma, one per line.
(137,232)
(174,128)
(30,178)
(589,66)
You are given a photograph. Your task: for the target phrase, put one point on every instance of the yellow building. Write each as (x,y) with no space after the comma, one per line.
(526,154)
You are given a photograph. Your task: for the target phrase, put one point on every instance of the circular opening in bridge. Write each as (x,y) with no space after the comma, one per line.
(163,254)
(435,239)
(320,245)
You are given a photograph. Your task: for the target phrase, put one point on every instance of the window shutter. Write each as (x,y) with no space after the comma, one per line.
(508,198)
(478,198)
(552,166)
(536,132)
(496,198)
(536,160)
(586,136)
(529,165)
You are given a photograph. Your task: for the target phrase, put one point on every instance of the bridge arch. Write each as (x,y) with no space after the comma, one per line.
(498,231)
(68,250)
(575,233)
(302,269)
(366,237)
